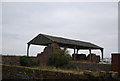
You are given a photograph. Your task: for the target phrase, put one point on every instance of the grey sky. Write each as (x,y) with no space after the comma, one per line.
(93,22)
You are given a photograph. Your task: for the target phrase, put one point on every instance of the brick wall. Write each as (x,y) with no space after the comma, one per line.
(11,60)
(43,57)
(89,66)
(116,62)
(14,60)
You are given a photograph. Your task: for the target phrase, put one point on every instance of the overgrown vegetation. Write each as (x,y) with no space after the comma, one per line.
(32,73)
(26,61)
(60,58)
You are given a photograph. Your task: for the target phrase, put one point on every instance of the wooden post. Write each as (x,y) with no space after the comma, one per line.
(77,51)
(28,49)
(90,54)
(74,53)
(90,59)
(102,53)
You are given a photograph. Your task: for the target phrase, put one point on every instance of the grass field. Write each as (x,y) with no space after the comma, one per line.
(47,72)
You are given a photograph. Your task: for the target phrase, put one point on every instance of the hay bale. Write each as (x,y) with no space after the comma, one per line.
(91,57)
(94,58)
(97,58)
(79,56)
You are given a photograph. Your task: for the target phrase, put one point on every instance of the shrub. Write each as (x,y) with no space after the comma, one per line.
(26,61)
(60,58)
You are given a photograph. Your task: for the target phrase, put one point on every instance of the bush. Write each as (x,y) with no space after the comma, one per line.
(26,61)
(60,58)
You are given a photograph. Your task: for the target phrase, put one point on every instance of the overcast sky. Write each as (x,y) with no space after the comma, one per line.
(94,22)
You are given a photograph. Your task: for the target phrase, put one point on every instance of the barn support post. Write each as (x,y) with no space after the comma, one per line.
(90,54)
(102,53)
(28,49)
(74,53)
(77,51)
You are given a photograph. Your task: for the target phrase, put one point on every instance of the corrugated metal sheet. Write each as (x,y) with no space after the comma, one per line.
(116,62)
(43,39)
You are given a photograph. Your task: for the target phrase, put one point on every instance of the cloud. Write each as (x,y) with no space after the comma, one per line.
(94,22)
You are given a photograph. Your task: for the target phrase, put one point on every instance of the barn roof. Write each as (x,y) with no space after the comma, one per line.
(43,39)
